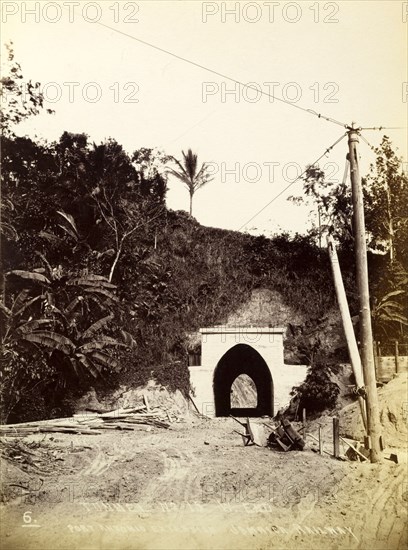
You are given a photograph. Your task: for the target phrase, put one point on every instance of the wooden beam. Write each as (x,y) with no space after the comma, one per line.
(354,449)
(146,402)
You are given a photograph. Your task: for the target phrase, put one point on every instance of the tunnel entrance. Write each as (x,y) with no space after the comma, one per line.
(242,359)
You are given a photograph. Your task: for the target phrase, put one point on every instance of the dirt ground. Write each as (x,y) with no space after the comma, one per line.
(195,486)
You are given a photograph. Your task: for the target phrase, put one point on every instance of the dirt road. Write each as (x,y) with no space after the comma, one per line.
(196,486)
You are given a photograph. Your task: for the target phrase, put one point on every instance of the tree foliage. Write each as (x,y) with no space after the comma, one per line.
(104,282)
(61,319)
(386,200)
(19,99)
(188,172)
(318,392)
(385,191)
(332,203)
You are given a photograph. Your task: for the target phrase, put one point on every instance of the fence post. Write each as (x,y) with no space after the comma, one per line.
(396,357)
(336,440)
(320,440)
(304,423)
(379,363)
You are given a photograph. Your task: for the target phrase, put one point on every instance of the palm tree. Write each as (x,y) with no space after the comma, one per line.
(189,175)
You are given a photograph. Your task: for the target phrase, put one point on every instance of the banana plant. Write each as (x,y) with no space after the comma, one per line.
(87,354)
(388,313)
(54,314)
(15,325)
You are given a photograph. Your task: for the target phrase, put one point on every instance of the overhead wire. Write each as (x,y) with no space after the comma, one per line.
(293,182)
(249,86)
(217,73)
(385,128)
(367,142)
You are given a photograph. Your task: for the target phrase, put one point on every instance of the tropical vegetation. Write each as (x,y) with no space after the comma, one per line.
(101,282)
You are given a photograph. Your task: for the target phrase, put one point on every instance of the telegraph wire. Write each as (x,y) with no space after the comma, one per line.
(385,128)
(195,64)
(292,182)
(367,142)
(309,111)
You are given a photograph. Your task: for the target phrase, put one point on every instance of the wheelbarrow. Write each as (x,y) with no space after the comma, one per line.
(286,437)
(248,436)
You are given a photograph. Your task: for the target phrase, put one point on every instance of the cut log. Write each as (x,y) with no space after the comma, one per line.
(68,430)
(136,415)
(16,432)
(52,421)
(122,418)
(114,427)
(119,412)
(4,429)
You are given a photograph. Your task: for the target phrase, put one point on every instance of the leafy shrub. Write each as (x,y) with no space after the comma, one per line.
(317,392)
(30,408)
(174,376)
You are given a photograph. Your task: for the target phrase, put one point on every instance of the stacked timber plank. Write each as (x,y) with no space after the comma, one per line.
(90,423)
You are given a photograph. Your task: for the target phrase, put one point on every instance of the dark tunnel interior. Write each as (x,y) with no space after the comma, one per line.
(242,359)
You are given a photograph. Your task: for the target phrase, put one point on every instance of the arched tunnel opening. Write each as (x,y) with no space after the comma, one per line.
(242,359)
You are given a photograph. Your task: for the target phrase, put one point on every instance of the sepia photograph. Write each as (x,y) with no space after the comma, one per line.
(204,275)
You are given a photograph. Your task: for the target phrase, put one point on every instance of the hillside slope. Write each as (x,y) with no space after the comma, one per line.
(187,276)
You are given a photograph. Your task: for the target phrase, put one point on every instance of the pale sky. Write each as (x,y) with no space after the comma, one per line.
(346,60)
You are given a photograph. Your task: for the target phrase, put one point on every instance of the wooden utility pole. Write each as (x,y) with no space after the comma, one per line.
(347,326)
(366,337)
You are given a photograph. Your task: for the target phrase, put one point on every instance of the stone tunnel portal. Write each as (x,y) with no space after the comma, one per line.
(242,359)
